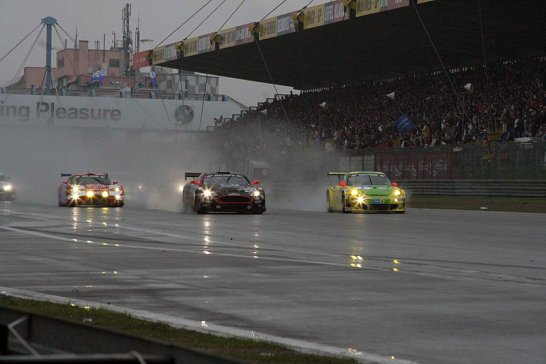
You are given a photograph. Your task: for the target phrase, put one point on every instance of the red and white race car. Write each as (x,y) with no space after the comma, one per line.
(90,189)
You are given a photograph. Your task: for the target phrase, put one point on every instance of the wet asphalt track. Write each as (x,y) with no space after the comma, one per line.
(430,286)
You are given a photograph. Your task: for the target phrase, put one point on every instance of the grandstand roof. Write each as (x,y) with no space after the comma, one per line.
(378,45)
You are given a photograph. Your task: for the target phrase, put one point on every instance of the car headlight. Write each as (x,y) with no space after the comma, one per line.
(207,193)
(8,188)
(397,192)
(256,193)
(360,199)
(89,193)
(354,192)
(104,194)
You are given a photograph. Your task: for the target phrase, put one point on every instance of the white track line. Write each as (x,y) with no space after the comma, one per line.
(210,328)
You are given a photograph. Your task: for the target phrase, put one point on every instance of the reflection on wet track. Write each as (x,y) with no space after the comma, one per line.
(415,287)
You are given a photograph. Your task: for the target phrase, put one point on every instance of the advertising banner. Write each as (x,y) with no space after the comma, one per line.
(279,25)
(313,17)
(171,52)
(139,60)
(237,35)
(285,23)
(334,11)
(417,165)
(367,7)
(191,47)
(159,55)
(396,4)
(204,44)
(111,112)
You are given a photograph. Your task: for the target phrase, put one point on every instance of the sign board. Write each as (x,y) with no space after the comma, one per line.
(278,25)
(140,60)
(111,112)
(368,7)
(236,35)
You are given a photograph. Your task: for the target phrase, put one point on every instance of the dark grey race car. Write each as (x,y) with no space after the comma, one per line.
(222,192)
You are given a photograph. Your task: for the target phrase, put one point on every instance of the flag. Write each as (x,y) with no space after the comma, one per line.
(404,124)
(153,77)
(95,77)
(101,76)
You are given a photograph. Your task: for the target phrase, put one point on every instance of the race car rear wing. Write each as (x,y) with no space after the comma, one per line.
(84,174)
(191,175)
(339,175)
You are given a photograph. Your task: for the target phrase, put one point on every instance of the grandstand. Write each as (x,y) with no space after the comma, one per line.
(367,40)
(460,71)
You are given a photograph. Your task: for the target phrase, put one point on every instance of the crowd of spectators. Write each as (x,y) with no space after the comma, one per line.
(500,102)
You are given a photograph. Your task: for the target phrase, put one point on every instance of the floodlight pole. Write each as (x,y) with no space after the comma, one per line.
(49,22)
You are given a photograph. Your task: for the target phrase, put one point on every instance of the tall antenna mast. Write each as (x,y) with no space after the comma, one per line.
(127,41)
(49,23)
(137,36)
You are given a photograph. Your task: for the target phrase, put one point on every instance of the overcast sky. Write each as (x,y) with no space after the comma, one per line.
(158,18)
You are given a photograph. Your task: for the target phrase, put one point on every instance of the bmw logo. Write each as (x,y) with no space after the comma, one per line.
(183,115)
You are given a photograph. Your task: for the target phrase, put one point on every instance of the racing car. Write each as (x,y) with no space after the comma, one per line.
(222,192)
(7,190)
(90,189)
(365,192)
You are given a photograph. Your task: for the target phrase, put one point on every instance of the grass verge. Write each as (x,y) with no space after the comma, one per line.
(513,204)
(243,350)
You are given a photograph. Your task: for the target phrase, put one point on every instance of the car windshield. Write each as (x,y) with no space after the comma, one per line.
(367,180)
(90,180)
(226,179)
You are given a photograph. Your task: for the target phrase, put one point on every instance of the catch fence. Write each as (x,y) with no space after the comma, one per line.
(495,161)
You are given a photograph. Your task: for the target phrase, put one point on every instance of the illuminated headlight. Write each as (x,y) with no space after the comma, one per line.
(354,192)
(256,193)
(360,199)
(104,194)
(397,192)
(207,193)
(117,189)
(74,197)
(181,188)
(8,188)
(89,194)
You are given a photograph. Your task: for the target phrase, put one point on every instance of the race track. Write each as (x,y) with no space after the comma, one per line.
(429,286)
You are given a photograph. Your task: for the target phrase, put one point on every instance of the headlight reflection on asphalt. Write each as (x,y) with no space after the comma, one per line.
(395,267)
(356,261)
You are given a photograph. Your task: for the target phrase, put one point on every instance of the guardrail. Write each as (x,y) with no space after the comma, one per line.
(459,187)
(32,338)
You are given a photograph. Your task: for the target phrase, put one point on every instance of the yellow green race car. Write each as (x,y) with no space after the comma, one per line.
(365,192)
